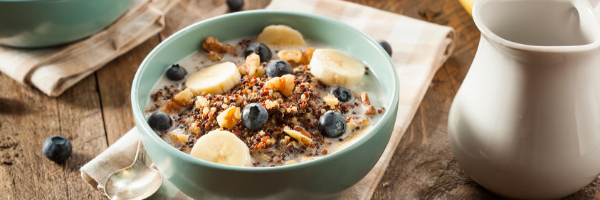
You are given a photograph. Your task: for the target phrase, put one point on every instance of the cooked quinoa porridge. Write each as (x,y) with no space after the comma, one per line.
(272,100)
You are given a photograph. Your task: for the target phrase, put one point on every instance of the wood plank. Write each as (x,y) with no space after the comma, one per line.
(188,12)
(114,85)
(27,118)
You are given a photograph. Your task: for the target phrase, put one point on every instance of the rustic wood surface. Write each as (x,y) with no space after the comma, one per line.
(97,111)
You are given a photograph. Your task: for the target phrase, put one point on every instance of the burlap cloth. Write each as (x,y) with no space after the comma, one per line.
(55,69)
(420,48)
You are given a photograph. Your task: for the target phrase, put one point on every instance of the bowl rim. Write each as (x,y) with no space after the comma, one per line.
(144,128)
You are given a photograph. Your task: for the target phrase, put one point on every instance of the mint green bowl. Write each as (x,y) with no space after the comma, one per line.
(43,23)
(323,178)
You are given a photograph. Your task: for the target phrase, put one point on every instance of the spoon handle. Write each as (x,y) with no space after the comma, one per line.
(141,154)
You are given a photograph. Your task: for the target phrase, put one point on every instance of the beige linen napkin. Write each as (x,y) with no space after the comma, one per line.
(55,69)
(420,48)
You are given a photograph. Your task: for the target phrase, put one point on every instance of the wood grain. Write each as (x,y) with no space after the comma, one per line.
(114,85)
(97,111)
(28,117)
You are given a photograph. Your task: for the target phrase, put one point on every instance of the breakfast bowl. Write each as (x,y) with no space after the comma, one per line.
(43,23)
(322,178)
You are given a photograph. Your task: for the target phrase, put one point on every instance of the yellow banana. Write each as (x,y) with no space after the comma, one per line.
(468,5)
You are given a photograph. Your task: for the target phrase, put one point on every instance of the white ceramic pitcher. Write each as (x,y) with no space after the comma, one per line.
(525,123)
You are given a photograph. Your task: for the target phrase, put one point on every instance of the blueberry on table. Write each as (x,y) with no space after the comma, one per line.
(341,93)
(160,121)
(254,116)
(278,68)
(332,124)
(57,148)
(386,46)
(235,5)
(176,72)
(259,49)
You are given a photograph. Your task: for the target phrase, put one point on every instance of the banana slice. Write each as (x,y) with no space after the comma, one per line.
(280,35)
(222,147)
(216,79)
(336,68)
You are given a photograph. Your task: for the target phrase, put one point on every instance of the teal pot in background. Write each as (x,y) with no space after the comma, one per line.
(43,23)
(322,178)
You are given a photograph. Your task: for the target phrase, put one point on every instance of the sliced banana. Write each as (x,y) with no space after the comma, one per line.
(222,147)
(336,68)
(281,35)
(216,79)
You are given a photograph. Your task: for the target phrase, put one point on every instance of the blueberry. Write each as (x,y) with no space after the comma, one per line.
(57,148)
(254,116)
(235,5)
(176,72)
(160,121)
(259,49)
(332,124)
(341,93)
(278,68)
(386,46)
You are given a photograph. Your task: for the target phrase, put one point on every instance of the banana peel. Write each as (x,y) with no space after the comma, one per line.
(468,5)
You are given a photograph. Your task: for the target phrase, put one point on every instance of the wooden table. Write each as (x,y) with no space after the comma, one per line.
(97,111)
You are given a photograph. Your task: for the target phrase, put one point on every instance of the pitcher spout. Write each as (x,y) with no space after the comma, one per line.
(548,26)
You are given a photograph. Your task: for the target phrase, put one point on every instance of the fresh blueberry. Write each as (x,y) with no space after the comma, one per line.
(254,116)
(341,93)
(332,124)
(176,72)
(278,68)
(235,5)
(259,49)
(160,121)
(386,46)
(57,148)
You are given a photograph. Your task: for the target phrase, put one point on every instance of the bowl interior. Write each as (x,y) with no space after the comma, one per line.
(251,23)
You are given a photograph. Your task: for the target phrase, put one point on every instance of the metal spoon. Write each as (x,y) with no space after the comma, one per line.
(137,181)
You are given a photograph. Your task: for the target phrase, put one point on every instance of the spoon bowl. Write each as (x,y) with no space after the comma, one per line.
(137,181)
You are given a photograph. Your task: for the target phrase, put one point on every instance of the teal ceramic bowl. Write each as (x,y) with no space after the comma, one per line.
(322,178)
(43,23)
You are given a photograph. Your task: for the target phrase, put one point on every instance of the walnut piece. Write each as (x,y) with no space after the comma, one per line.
(369,109)
(284,84)
(229,117)
(291,162)
(331,100)
(212,44)
(357,122)
(305,140)
(215,49)
(184,97)
(297,57)
(181,138)
(291,56)
(252,66)
(214,56)
(194,128)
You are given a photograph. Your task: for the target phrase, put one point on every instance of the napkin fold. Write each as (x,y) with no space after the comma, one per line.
(419,50)
(55,69)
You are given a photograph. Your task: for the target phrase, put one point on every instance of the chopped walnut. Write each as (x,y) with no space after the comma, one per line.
(212,44)
(184,97)
(307,56)
(291,56)
(181,138)
(271,104)
(305,140)
(297,56)
(229,117)
(284,84)
(195,129)
(215,49)
(369,109)
(202,102)
(214,56)
(171,107)
(331,100)
(354,122)
(252,66)
(302,130)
